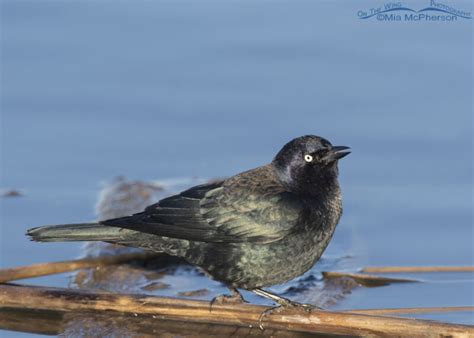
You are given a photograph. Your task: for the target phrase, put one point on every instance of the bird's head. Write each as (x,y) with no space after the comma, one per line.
(308,164)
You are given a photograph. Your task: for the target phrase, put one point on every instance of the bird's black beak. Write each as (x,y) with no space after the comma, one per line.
(338,152)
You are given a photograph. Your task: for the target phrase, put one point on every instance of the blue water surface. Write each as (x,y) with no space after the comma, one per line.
(168,89)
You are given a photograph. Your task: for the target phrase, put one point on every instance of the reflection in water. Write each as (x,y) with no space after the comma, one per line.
(78,324)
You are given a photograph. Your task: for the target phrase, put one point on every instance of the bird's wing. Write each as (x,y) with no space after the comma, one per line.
(252,207)
(177,216)
(229,211)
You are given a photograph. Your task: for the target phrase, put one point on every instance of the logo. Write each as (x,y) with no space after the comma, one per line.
(396,11)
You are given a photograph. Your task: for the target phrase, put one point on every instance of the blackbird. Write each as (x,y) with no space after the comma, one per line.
(258,228)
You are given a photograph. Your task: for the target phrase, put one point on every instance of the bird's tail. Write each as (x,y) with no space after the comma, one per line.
(75,232)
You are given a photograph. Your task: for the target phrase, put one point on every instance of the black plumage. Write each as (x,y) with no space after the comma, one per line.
(261,227)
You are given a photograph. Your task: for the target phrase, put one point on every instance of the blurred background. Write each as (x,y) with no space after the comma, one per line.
(184,90)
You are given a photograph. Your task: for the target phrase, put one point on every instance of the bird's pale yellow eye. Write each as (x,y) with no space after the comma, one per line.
(308,158)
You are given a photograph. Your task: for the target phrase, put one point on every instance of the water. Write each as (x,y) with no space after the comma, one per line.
(157,90)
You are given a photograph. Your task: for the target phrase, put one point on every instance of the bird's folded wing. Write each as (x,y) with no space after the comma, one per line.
(218,213)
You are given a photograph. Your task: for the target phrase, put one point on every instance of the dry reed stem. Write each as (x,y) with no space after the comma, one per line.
(415,269)
(44,269)
(413,310)
(60,299)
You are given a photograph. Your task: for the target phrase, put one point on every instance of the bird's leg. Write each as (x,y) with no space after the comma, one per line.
(234,298)
(283,303)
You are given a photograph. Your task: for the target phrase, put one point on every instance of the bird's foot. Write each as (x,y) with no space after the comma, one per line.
(285,304)
(233,298)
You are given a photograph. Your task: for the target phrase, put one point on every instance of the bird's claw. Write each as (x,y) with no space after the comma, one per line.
(226,299)
(283,305)
(303,306)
